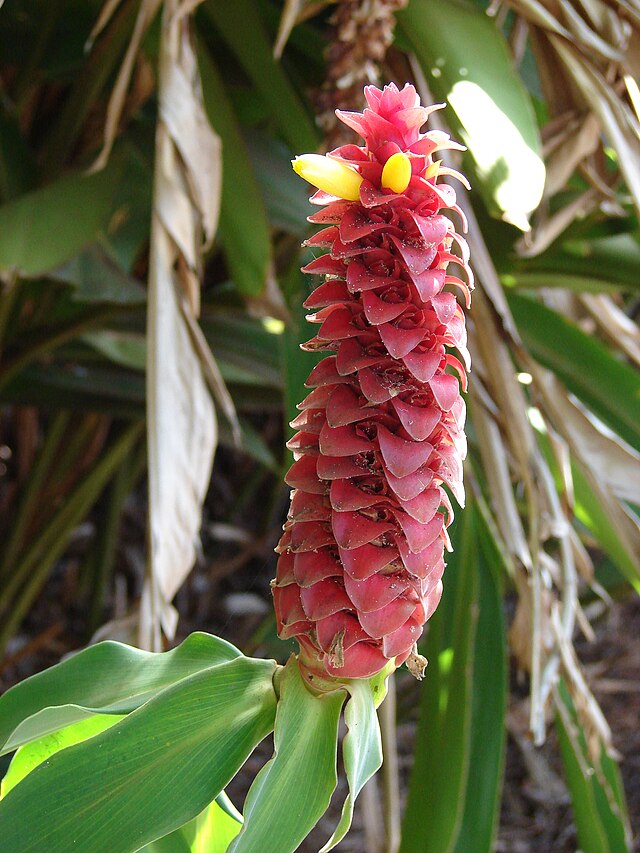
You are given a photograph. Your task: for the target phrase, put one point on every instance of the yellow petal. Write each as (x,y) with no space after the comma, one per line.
(329,175)
(433,171)
(397,172)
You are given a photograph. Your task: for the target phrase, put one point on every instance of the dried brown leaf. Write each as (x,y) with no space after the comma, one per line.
(181,423)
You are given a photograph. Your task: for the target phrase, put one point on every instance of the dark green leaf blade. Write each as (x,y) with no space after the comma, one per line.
(240,24)
(244,228)
(109,677)
(78,205)
(148,774)
(292,791)
(489,703)
(436,799)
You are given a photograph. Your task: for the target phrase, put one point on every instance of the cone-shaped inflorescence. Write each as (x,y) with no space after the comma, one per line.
(362,554)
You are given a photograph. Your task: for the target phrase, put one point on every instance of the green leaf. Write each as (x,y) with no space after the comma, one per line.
(488,703)
(580,283)
(285,195)
(17,167)
(30,756)
(608,386)
(244,228)
(211,832)
(597,796)
(436,798)
(109,677)
(293,790)
(297,364)
(243,343)
(148,774)
(595,517)
(240,24)
(44,228)
(611,260)
(98,278)
(465,59)
(125,348)
(361,751)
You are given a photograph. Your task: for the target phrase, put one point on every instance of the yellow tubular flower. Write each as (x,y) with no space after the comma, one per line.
(330,175)
(397,173)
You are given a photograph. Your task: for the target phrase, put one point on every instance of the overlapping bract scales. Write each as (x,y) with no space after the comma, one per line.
(362,554)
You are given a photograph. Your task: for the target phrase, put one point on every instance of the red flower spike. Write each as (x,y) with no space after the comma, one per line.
(380,437)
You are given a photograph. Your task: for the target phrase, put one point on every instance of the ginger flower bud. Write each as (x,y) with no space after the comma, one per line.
(396,173)
(331,176)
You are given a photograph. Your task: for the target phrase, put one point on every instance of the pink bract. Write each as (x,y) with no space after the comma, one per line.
(381,433)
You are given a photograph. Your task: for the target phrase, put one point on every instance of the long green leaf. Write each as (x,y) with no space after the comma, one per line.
(293,790)
(244,228)
(608,386)
(597,797)
(240,24)
(436,798)
(148,774)
(595,517)
(285,195)
(109,677)
(613,259)
(79,205)
(31,570)
(361,751)
(489,703)
(465,59)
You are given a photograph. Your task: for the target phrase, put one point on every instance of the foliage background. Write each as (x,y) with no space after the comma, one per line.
(551,534)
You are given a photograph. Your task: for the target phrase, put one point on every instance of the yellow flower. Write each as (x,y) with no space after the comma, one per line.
(397,172)
(330,175)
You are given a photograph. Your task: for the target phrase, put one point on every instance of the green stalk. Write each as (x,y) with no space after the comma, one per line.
(39,558)
(104,552)
(31,493)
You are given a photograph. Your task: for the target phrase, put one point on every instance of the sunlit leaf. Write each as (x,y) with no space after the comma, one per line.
(148,774)
(466,62)
(28,757)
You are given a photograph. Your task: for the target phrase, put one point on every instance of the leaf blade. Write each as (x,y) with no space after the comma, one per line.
(285,802)
(109,677)
(490,108)
(148,774)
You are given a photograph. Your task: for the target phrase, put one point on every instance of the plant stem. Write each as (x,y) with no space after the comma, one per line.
(390,775)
